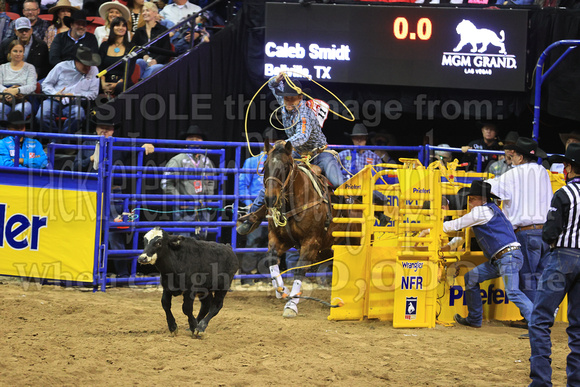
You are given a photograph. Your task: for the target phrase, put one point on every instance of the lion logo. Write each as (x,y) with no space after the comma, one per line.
(470,34)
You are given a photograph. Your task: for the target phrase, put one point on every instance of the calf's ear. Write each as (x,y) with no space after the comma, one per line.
(175,241)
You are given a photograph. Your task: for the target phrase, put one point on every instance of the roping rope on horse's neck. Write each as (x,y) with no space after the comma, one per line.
(279,218)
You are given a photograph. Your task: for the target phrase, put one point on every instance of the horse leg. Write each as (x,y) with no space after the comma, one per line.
(291,307)
(308,252)
(277,280)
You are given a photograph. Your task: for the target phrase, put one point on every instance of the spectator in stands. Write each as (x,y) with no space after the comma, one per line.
(113,50)
(526,193)
(76,77)
(489,141)
(31,10)
(353,160)
(136,8)
(567,139)
(504,163)
(64,46)
(182,38)
(4,22)
(496,237)
(179,10)
(31,154)
(61,10)
(189,188)
(109,11)
(443,156)
(17,78)
(384,139)
(87,161)
(35,50)
(151,63)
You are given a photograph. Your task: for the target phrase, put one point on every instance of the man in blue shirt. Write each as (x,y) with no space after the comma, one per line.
(69,78)
(353,160)
(31,154)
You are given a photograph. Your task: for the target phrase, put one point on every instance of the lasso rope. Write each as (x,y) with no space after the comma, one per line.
(299,296)
(299,91)
(278,218)
(326,303)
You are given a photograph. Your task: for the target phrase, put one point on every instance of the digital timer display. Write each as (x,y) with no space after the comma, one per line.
(401,29)
(398,45)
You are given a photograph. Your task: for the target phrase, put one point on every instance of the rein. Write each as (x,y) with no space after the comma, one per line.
(281,219)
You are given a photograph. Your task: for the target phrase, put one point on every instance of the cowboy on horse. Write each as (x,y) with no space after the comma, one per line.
(303,122)
(305,134)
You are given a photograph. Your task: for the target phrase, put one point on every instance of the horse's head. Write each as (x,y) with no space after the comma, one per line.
(277,171)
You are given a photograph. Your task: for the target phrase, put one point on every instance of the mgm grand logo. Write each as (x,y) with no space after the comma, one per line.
(487,51)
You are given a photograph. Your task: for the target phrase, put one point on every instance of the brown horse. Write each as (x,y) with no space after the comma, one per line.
(300,216)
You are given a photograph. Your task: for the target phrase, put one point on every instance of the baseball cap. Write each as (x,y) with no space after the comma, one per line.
(22,22)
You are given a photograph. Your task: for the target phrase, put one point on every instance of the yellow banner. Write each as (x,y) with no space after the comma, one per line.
(47,233)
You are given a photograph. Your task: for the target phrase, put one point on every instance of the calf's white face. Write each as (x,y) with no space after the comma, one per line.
(152,242)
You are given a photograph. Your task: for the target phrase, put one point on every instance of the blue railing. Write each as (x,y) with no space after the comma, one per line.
(541,76)
(226,175)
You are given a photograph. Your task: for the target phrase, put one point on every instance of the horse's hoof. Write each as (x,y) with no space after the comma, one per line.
(198,334)
(289,313)
(174,333)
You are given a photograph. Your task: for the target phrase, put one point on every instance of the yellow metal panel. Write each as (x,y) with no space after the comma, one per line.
(349,283)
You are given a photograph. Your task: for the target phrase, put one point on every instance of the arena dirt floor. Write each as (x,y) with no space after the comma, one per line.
(56,336)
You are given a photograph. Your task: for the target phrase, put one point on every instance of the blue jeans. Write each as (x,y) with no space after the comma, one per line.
(533,249)
(146,70)
(330,167)
(50,110)
(191,215)
(24,107)
(507,267)
(292,258)
(560,277)
(326,161)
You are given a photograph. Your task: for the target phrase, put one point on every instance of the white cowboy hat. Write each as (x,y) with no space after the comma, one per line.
(105,7)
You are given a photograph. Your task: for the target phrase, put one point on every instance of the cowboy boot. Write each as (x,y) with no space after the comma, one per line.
(248,223)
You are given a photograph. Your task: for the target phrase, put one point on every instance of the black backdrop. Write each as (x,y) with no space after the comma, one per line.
(212,85)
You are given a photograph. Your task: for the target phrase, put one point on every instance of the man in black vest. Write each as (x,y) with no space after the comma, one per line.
(495,235)
(561,276)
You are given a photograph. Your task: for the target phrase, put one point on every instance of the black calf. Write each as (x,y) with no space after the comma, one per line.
(190,268)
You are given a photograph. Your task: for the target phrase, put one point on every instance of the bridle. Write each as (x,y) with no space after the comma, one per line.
(283,185)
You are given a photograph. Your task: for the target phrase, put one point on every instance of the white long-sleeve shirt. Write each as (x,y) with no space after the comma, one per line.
(479,215)
(526,193)
(65,76)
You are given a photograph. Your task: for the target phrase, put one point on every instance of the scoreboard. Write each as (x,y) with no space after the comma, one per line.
(482,49)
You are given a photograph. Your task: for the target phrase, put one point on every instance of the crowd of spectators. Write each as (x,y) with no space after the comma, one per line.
(49,43)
